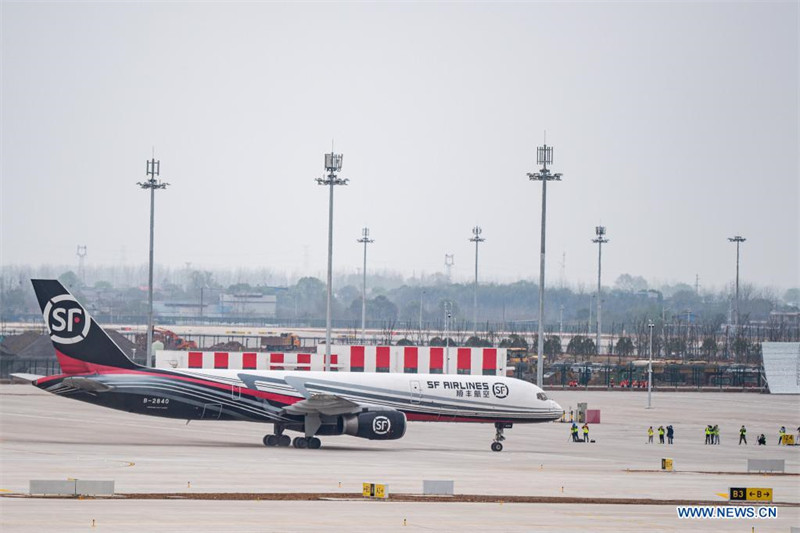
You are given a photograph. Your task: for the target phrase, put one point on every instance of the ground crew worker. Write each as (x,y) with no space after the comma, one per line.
(661,434)
(585,432)
(650,435)
(670,433)
(715,434)
(708,434)
(574,431)
(781,434)
(762,440)
(743,435)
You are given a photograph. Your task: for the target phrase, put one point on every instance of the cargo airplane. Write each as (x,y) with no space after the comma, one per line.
(366,405)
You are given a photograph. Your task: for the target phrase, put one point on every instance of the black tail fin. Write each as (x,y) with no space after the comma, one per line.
(81,344)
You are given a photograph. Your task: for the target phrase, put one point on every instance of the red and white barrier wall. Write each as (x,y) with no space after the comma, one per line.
(400,359)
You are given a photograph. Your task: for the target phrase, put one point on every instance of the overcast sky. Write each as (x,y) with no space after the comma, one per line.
(674,124)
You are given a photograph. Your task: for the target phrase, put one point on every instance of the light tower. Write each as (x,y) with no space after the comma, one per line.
(650,326)
(153,170)
(477,239)
(738,239)
(544,156)
(333,164)
(600,231)
(448,315)
(366,240)
(449,261)
(81,253)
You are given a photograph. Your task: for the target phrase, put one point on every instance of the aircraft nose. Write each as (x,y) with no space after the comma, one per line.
(556,408)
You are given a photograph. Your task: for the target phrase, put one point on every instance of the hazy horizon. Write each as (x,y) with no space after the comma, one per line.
(674,125)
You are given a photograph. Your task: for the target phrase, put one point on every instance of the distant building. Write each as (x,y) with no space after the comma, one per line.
(784,318)
(249,305)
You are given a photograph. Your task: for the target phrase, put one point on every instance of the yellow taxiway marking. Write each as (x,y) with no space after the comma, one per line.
(722,495)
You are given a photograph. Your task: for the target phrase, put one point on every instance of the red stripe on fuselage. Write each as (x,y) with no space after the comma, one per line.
(421,417)
(90,369)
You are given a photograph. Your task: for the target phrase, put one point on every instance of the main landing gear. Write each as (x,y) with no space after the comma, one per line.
(279,439)
(312,443)
(497,445)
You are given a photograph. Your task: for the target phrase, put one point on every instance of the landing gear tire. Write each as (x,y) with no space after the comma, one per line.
(284,441)
(300,442)
(497,445)
(314,443)
(271,440)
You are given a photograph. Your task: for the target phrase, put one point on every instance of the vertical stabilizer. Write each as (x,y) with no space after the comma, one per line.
(81,344)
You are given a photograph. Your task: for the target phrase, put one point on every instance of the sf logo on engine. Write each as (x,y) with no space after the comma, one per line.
(381,425)
(67,321)
(500,390)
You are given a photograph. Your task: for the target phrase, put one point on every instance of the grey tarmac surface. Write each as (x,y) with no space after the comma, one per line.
(46,437)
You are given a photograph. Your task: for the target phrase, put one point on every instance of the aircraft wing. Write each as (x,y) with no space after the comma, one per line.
(325,404)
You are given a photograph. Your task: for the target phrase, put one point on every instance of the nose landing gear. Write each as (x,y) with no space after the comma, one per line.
(497,445)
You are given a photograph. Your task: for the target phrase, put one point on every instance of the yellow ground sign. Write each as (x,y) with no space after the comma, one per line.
(666,464)
(375,490)
(751,494)
(788,440)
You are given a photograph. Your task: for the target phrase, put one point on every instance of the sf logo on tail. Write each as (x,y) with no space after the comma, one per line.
(67,321)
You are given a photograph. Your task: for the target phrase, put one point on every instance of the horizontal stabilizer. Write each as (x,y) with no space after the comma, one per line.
(87,384)
(24,378)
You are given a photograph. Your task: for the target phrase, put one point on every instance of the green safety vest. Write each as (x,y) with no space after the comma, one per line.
(708,431)
(660,431)
(742,431)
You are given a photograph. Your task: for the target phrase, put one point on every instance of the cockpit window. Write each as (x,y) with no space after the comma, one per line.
(542,396)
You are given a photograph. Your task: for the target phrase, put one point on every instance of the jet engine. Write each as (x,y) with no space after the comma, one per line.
(375,425)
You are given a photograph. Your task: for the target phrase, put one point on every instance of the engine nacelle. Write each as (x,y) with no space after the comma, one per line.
(375,425)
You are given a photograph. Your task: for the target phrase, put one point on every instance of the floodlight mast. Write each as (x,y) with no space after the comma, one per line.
(477,239)
(153,170)
(600,231)
(650,326)
(333,164)
(544,156)
(366,240)
(738,239)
